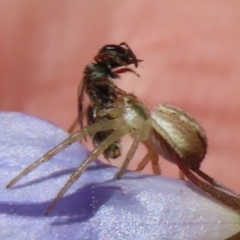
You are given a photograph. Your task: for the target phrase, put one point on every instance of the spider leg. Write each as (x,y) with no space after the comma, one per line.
(131,152)
(152,155)
(92,129)
(115,111)
(229,200)
(214,182)
(93,155)
(143,163)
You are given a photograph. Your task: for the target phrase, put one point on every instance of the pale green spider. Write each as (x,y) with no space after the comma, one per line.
(168,130)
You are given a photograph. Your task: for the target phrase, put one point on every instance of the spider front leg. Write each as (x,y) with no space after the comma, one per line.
(89,130)
(116,135)
(115,110)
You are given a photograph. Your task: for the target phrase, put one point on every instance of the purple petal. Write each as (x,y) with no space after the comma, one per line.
(96,207)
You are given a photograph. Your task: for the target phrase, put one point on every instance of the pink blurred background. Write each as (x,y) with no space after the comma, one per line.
(191,59)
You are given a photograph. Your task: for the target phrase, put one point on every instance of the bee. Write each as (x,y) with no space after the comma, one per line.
(97,83)
(171,133)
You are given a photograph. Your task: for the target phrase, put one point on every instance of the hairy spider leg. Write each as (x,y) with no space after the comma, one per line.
(152,155)
(140,135)
(123,130)
(136,140)
(229,200)
(92,129)
(114,111)
(214,182)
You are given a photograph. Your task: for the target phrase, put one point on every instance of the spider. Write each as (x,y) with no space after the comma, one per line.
(97,83)
(174,134)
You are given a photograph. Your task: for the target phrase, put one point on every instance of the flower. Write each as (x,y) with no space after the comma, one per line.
(96,207)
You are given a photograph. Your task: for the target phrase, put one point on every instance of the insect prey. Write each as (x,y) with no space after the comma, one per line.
(97,83)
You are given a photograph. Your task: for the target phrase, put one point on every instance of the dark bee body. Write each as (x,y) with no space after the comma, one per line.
(98,85)
(102,92)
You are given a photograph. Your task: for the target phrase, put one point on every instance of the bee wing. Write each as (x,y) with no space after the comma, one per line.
(81,90)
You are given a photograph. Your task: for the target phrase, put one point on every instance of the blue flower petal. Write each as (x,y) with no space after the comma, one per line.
(96,207)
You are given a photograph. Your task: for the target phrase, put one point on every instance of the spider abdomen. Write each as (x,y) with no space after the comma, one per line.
(178,132)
